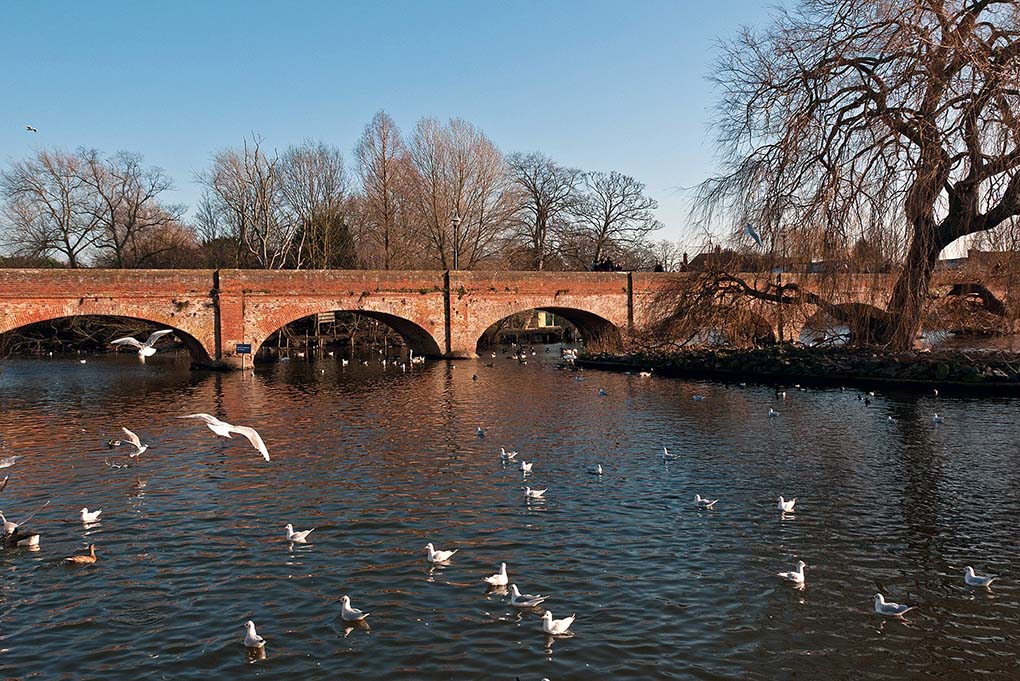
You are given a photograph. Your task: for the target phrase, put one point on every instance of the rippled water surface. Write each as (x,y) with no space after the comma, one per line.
(380,462)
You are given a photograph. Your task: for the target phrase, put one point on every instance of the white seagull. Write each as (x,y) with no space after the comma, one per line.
(224,429)
(526,467)
(703,503)
(297,537)
(438,556)
(133,439)
(786,506)
(88,516)
(597,470)
(349,614)
(10,527)
(882,607)
(480,432)
(251,639)
(534,493)
(556,627)
(796,576)
(29,128)
(9,461)
(666,456)
(936,419)
(145,349)
(519,600)
(973,579)
(498,579)
(773,413)
(506,456)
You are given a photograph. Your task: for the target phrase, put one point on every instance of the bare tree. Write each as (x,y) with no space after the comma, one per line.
(315,188)
(547,191)
(894,121)
(128,208)
(383,170)
(458,171)
(612,210)
(49,207)
(246,187)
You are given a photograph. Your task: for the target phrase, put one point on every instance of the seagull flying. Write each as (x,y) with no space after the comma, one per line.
(349,614)
(438,556)
(88,516)
(297,537)
(29,128)
(753,233)
(251,639)
(145,349)
(973,579)
(704,503)
(556,627)
(133,439)
(498,579)
(882,607)
(786,506)
(796,576)
(519,600)
(224,429)
(506,456)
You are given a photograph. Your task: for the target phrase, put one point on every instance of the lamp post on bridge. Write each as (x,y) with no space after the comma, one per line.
(455,222)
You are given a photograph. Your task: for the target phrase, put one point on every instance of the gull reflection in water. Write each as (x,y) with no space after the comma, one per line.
(361,625)
(254,655)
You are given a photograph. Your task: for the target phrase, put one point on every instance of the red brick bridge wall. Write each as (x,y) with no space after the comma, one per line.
(438,313)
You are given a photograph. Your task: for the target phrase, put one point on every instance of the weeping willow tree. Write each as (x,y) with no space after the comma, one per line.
(889,123)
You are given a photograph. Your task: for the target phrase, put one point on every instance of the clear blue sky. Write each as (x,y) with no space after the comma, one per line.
(597,85)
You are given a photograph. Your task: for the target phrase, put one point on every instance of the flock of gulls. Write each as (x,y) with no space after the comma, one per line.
(14,534)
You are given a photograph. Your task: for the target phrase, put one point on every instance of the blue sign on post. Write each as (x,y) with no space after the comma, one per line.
(243,348)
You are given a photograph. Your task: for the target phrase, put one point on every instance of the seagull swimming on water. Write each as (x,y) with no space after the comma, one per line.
(526,467)
(666,456)
(251,639)
(498,579)
(534,493)
(883,607)
(597,470)
(224,429)
(773,413)
(795,576)
(9,461)
(434,556)
(519,600)
(297,537)
(349,614)
(556,627)
(480,432)
(147,348)
(704,503)
(786,506)
(88,516)
(133,439)
(506,456)
(972,579)
(936,419)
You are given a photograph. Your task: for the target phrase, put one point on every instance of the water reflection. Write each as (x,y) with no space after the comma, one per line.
(382,461)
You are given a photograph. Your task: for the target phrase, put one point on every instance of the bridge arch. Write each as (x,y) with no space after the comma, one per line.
(599,333)
(200,354)
(414,335)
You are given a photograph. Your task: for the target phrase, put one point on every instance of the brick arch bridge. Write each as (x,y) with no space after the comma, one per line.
(437,313)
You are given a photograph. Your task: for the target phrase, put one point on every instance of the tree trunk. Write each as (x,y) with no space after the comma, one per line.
(911,290)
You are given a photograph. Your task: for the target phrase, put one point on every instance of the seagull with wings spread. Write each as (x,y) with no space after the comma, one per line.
(224,429)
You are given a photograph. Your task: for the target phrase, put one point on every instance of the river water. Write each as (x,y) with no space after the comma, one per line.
(380,462)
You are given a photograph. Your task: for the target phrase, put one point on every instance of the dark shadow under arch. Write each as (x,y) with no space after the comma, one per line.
(199,355)
(414,336)
(600,334)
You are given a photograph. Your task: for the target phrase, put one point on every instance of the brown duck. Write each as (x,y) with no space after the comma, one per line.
(84,560)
